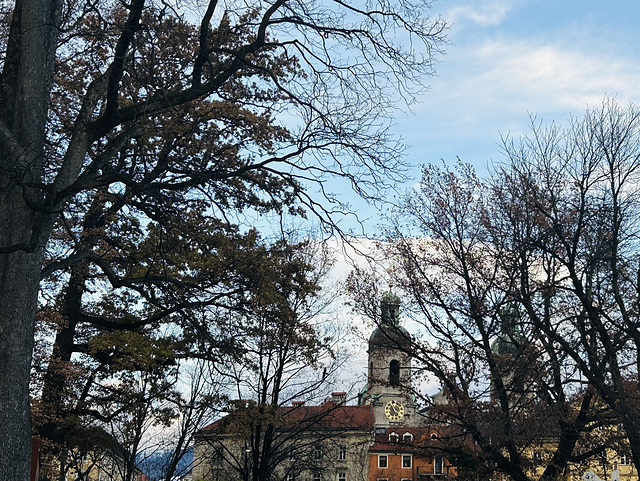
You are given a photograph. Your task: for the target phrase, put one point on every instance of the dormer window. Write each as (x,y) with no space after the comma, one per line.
(394,437)
(407,437)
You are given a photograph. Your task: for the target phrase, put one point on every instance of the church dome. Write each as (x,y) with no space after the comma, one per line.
(510,337)
(389,333)
(503,345)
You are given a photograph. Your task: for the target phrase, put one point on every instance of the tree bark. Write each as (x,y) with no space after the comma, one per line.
(24,225)
(19,280)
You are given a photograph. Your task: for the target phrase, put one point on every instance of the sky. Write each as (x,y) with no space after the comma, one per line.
(509,60)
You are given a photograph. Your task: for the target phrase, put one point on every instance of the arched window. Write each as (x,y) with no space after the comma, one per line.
(394,373)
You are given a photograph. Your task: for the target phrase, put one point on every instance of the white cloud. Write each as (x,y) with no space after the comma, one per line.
(492,86)
(485,14)
(487,86)
(550,76)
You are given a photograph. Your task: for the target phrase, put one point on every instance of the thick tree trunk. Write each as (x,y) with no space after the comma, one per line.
(26,80)
(19,280)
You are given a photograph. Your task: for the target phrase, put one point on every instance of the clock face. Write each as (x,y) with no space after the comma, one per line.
(394,410)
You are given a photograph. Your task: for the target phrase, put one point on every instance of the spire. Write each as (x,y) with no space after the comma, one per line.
(510,337)
(389,333)
(390,307)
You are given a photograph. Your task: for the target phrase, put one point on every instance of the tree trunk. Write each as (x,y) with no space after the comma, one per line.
(55,378)
(19,280)
(27,76)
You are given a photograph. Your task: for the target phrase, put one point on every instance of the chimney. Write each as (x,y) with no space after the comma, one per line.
(339,397)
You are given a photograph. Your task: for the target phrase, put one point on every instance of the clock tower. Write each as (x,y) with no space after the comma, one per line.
(388,386)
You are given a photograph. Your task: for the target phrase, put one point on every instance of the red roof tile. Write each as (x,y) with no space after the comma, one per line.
(327,416)
(421,437)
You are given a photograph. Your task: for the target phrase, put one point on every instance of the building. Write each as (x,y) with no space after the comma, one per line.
(400,454)
(399,451)
(105,463)
(316,443)
(388,387)
(382,438)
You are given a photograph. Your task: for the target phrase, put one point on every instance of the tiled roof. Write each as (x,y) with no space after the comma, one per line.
(421,437)
(328,416)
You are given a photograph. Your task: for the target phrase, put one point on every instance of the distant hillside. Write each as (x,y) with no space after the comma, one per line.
(154,465)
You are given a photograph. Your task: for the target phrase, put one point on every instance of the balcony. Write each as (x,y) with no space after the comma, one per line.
(427,473)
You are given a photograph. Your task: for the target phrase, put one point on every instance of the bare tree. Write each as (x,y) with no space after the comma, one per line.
(571,197)
(155,435)
(508,385)
(277,421)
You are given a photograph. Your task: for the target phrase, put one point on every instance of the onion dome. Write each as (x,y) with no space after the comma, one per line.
(389,334)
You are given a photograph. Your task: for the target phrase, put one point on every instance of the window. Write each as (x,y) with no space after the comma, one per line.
(406,461)
(380,430)
(383,479)
(394,373)
(317,452)
(407,437)
(406,479)
(537,457)
(393,437)
(316,476)
(433,436)
(624,460)
(382,461)
(438,465)
(342,476)
(342,453)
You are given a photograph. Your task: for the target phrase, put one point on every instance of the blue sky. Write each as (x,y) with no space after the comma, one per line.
(512,58)
(509,60)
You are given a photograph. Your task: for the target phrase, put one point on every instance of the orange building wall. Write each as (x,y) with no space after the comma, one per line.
(395,471)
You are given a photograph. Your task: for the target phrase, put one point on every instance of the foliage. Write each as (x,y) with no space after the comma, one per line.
(128,130)
(289,359)
(116,365)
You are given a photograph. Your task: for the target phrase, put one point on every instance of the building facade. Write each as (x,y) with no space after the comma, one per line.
(382,438)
